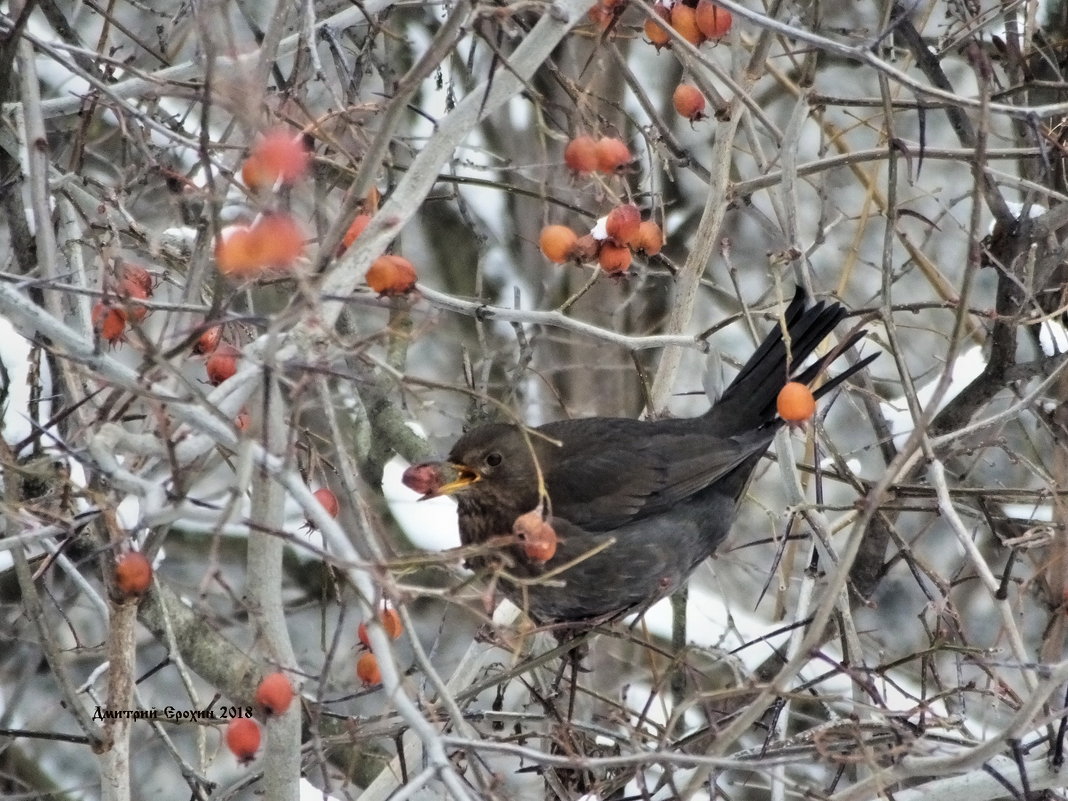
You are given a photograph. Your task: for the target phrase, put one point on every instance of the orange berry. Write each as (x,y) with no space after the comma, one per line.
(133,573)
(684,21)
(353,232)
(655,32)
(650,238)
(714,22)
(208,341)
(275,241)
(795,403)
(622,223)
(367,669)
(613,258)
(278,156)
(391,622)
(222,364)
(689,102)
(275,693)
(557,243)
(109,322)
(537,537)
(237,251)
(612,154)
(280,241)
(391,275)
(580,155)
(243,739)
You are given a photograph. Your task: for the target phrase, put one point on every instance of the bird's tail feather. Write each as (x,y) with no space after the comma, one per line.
(750,399)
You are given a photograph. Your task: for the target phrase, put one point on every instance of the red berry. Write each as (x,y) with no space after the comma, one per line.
(130,292)
(222,364)
(622,223)
(140,276)
(243,739)
(133,573)
(208,341)
(425,478)
(109,322)
(328,500)
(275,693)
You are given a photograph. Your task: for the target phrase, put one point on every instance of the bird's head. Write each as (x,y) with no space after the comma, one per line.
(492,461)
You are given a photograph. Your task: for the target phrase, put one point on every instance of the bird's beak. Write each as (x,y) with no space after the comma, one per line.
(462,477)
(438,478)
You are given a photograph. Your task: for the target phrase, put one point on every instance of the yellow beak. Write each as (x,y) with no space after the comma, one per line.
(465,477)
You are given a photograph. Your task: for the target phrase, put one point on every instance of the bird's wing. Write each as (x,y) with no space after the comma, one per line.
(601,483)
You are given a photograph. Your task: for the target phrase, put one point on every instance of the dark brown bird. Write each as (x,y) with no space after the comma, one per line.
(636,505)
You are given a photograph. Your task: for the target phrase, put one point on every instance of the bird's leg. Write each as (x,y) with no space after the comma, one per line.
(574,656)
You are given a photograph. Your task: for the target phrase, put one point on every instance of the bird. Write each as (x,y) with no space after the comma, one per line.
(636,505)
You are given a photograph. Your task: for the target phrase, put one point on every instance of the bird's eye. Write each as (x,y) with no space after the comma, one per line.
(494,459)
